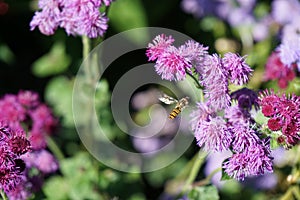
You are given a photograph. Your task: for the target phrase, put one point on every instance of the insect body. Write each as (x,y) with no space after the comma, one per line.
(180,105)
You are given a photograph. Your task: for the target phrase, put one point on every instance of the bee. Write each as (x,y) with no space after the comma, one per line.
(180,104)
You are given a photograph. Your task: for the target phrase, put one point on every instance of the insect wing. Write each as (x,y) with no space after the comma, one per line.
(183,103)
(167,99)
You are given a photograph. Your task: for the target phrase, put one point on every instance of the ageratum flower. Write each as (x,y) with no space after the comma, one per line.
(13,143)
(171,62)
(284,114)
(215,82)
(171,65)
(237,116)
(195,53)
(246,98)
(276,70)
(284,11)
(159,44)
(254,160)
(213,134)
(22,112)
(243,137)
(211,131)
(78,17)
(239,71)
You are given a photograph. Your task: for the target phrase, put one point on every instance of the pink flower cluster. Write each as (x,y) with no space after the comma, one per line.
(77,17)
(284,115)
(171,62)
(276,70)
(25,124)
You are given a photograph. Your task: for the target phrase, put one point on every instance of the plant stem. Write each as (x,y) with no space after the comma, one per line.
(3,195)
(86,45)
(55,149)
(194,78)
(207,180)
(195,169)
(197,85)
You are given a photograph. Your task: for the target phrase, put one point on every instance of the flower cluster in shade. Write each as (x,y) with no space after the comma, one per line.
(13,144)
(77,17)
(237,13)
(25,125)
(284,116)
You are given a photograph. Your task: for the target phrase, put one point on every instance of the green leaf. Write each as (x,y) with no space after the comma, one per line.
(56,188)
(204,193)
(59,94)
(225,176)
(54,62)
(129,14)
(6,55)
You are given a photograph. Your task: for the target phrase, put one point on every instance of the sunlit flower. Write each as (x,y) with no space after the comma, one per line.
(215,82)
(254,160)
(239,71)
(213,135)
(159,44)
(195,53)
(171,65)
(284,114)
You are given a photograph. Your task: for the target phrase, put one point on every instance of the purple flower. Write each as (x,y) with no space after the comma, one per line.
(213,135)
(239,70)
(83,18)
(94,24)
(171,65)
(215,82)
(284,11)
(211,131)
(48,19)
(11,110)
(243,137)
(246,98)
(159,44)
(254,160)
(42,160)
(22,112)
(78,17)
(199,8)
(13,143)
(195,53)
(240,16)
(21,191)
(28,98)
(237,116)
(290,51)
(201,114)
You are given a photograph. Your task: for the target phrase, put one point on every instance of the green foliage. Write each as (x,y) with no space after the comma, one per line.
(54,62)
(225,176)
(158,178)
(129,14)
(78,181)
(59,94)
(204,193)
(6,55)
